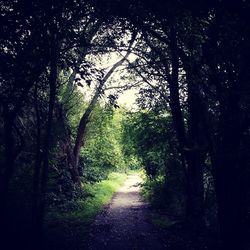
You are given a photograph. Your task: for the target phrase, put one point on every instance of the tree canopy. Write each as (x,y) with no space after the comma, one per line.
(64,65)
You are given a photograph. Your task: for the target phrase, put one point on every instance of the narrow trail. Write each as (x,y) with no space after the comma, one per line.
(124,224)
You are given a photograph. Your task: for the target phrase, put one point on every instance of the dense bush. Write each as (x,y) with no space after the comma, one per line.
(149,135)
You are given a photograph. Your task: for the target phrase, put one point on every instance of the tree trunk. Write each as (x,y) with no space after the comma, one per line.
(6,175)
(231,195)
(190,143)
(81,131)
(37,172)
(83,52)
(47,143)
(195,152)
(229,177)
(8,159)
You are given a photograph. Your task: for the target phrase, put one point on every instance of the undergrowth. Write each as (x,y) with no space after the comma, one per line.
(62,227)
(153,191)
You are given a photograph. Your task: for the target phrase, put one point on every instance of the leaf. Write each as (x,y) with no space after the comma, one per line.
(88,81)
(80,84)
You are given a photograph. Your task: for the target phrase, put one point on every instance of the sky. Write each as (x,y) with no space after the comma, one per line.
(126,98)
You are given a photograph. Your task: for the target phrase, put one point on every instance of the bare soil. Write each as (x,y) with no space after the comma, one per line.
(125,223)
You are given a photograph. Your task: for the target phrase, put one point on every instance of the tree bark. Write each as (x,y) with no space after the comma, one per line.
(197,149)
(225,146)
(191,142)
(6,175)
(47,145)
(82,54)
(81,131)
(9,157)
(37,170)
(229,181)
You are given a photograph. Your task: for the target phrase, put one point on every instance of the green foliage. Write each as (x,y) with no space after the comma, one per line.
(206,45)
(99,194)
(64,229)
(147,134)
(96,196)
(153,190)
(102,152)
(150,135)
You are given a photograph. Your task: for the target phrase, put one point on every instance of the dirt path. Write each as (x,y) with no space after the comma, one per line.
(124,224)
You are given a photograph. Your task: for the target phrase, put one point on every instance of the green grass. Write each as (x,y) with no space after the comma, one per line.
(141,171)
(65,228)
(98,195)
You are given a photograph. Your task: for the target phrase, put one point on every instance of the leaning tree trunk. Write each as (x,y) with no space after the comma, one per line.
(83,51)
(81,131)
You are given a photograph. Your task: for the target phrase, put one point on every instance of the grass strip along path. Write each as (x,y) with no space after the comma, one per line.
(125,223)
(68,230)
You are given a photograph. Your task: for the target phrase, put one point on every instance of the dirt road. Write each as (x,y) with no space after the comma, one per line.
(124,223)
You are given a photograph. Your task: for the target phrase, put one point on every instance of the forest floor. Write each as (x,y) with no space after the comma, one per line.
(125,223)
(128,222)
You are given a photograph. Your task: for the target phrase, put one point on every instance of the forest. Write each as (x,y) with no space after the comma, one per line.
(68,143)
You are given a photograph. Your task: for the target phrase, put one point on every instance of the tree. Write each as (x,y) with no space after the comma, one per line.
(217,74)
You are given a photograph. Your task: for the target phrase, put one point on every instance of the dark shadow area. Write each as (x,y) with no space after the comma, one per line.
(95,91)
